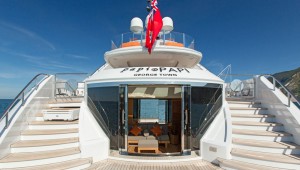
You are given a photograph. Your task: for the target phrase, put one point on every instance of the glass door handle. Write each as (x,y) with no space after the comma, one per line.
(123,116)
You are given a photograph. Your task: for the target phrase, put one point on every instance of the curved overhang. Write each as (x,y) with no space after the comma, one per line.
(167,75)
(162,56)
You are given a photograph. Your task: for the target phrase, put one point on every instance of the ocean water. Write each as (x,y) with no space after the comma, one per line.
(4,103)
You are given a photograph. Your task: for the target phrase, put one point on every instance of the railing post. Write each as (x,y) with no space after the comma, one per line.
(6,120)
(36,85)
(289,99)
(55,86)
(183,39)
(274,83)
(254,87)
(141,38)
(121,40)
(23,99)
(164,40)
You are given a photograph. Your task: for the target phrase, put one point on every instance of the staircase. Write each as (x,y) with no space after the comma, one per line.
(47,144)
(258,142)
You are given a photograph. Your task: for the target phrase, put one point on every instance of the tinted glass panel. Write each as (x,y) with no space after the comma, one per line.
(202,100)
(106,100)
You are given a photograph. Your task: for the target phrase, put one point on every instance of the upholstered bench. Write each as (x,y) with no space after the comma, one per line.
(135,139)
(164,139)
(148,145)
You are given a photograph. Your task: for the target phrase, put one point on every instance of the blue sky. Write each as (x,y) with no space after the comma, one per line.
(50,36)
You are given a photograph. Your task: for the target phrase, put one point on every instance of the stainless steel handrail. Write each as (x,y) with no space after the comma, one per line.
(289,93)
(22,95)
(227,68)
(98,69)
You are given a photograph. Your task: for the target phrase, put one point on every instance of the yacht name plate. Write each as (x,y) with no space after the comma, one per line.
(155,71)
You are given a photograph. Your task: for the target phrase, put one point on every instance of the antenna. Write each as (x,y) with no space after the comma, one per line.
(136,25)
(148,8)
(167,24)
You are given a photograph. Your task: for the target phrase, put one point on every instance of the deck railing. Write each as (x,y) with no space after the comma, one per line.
(20,100)
(239,85)
(69,85)
(277,84)
(131,39)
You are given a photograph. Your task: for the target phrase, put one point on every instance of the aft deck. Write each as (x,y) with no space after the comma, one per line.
(128,162)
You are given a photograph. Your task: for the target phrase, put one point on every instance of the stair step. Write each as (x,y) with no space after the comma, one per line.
(80,163)
(49,132)
(46,134)
(233,164)
(66,104)
(39,117)
(256,125)
(47,125)
(253,115)
(265,144)
(53,122)
(36,143)
(60,110)
(260,133)
(243,99)
(30,156)
(74,99)
(39,114)
(244,105)
(271,157)
(248,123)
(249,111)
(243,102)
(246,108)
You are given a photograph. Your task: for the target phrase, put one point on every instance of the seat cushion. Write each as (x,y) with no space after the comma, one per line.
(164,138)
(156,130)
(135,130)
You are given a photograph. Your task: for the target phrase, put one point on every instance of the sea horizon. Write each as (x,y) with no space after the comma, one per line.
(4,103)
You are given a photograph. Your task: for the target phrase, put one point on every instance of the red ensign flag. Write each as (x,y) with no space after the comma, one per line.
(154,26)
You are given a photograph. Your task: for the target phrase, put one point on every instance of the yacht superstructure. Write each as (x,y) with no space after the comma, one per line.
(139,106)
